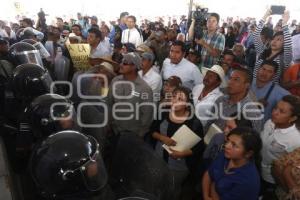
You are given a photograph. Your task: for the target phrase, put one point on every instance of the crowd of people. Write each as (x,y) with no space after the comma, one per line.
(237,83)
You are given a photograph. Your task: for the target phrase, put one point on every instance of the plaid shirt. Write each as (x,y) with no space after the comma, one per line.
(217,41)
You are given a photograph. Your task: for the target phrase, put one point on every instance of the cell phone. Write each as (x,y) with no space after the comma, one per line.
(277,10)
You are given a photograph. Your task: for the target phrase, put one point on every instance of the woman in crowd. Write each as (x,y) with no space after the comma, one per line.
(239,51)
(233,174)
(169,86)
(287,173)
(280,49)
(181,113)
(229,38)
(217,142)
(281,135)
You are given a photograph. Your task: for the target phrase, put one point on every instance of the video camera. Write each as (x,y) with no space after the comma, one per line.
(200,15)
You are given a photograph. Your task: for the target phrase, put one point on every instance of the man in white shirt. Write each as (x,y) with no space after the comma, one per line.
(99,46)
(205,94)
(177,65)
(131,34)
(149,75)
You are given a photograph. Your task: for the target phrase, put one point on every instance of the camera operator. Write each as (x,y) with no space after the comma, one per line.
(211,43)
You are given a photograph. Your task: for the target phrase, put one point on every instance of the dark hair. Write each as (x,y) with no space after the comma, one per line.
(187,92)
(267,32)
(267,52)
(59,18)
(123,14)
(250,139)
(294,101)
(241,121)
(117,57)
(216,15)
(230,27)
(228,52)
(28,21)
(107,28)
(97,32)
(270,63)
(132,17)
(181,44)
(76,25)
(245,72)
(130,47)
(279,33)
(96,26)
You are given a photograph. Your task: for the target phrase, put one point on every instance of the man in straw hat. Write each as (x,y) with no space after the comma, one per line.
(205,94)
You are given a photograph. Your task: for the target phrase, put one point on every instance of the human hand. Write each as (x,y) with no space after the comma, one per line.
(168,141)
(285,17)
(176,154)
(200,41)
(267,14)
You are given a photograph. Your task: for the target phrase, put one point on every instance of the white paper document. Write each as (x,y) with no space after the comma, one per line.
(212,131)
(185,139)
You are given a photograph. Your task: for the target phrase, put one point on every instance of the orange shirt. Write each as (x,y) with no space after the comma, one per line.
(291,74)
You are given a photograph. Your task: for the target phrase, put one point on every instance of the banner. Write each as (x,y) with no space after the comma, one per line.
(80,55)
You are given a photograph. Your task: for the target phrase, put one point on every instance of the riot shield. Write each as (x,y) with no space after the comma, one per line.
(137,172)
(61,68)
(39,46)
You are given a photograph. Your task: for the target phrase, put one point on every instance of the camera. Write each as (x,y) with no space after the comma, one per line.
(200,15)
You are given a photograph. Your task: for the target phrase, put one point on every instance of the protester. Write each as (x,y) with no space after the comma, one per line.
(280,136)
(99,46)
(150,76)
(126,90)
(267,92)
(237,100)
(208,92)
(131,34)
(233,174)
(280,49)
(177,65)
(163,129)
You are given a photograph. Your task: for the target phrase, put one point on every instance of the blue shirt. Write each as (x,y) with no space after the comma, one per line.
(239,183)
(276,95)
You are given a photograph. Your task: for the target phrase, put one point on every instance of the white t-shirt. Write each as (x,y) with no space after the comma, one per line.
(188,72)
(276,142)
(103,49)
(153,79)
(204,106)
(132,36)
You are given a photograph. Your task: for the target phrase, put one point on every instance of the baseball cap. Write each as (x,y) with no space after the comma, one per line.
(133,58)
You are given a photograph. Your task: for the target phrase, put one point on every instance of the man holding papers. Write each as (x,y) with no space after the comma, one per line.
(180,133)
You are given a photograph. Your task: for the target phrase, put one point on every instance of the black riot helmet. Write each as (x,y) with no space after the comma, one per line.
(24,52)
(67,165)
(30,80)
(50,113)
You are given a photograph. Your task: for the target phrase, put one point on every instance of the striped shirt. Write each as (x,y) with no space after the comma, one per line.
(217,41)
(283,60)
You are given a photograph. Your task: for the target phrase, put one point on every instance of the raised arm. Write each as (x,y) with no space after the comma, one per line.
(259,46)
(287,40)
